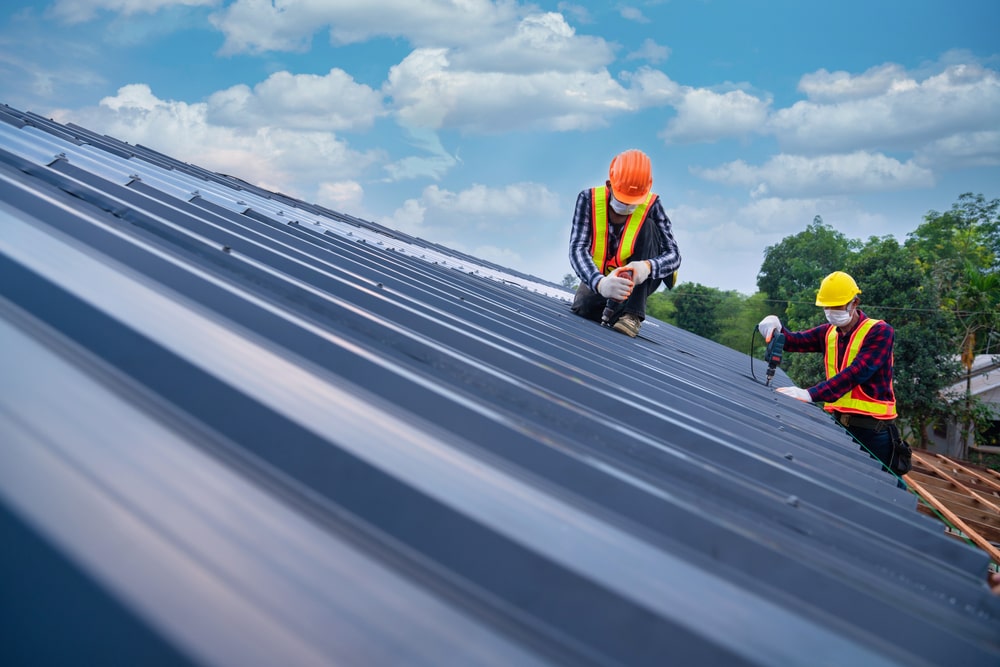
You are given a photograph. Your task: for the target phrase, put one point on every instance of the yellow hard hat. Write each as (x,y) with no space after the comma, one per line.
(837,289)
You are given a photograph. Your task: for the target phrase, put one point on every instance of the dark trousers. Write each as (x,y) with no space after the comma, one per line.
(877,443)
(591,305)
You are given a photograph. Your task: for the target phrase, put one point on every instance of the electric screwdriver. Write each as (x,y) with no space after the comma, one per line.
(772,355)
(611,306)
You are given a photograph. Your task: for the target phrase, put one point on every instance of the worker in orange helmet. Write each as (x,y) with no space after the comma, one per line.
(618,228)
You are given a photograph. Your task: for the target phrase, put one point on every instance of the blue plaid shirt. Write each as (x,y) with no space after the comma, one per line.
(582,236)
(871,368)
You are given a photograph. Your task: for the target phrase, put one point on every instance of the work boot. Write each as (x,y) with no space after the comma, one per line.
(628,324)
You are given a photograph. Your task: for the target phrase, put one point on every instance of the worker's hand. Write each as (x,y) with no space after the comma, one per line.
(768,326)
(640,270)
(993,579)
(796,393)
(612,286)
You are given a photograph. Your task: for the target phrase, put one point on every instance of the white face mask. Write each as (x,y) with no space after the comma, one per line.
(839,318)
(622,209)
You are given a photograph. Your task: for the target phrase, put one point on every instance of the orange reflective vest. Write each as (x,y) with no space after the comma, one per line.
(599,245)
(856,401)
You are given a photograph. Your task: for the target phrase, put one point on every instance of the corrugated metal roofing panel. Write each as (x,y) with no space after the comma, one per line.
(455,430)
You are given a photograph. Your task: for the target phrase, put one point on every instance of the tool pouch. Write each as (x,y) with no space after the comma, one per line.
(902,455)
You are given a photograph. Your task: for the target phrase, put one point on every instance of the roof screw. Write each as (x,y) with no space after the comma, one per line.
(226,248)
(792,500)
(789,457)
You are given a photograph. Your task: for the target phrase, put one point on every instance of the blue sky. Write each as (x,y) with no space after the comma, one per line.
(475,124)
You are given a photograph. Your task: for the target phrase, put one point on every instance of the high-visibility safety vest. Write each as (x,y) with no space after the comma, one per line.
(855,401)
(599,216)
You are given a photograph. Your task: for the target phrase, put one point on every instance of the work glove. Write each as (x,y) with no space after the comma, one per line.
(640,270)
(614,287)
(768,326)
(796,393)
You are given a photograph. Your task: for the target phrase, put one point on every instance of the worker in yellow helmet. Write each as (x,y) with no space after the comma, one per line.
(858,359)
(619,230)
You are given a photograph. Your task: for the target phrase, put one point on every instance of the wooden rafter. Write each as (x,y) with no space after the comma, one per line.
(966,497)
(973,535)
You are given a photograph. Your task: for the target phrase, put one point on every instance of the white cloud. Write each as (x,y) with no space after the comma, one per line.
(272,157)
(832,87)
(256,26)
(302,102)
(633,14)
(489,222)
(885,109)
(478,67)
(704,115)
(722,242)
(341,196)
(579,13)
(79,11)
(798,176)
(539,43)
(433,163)
(651,87)
(962,150)
(429,93)
(651,51)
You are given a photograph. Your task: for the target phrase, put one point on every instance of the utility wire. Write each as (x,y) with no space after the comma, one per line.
(868,306)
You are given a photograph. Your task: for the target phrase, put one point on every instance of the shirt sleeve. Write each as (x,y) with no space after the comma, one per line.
(580,242)
(875,352)
(669,259)
(810,340)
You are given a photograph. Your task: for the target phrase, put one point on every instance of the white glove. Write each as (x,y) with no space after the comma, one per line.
(768,326)
(613,287)
(640,270)
(796,393)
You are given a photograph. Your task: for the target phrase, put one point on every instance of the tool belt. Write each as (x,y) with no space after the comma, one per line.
(901,459)
(850,420)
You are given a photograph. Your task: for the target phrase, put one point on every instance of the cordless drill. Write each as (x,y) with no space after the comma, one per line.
(772,355)
(611,306)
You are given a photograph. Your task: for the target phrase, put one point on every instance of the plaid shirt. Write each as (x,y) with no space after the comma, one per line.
(582,236)
(871,368)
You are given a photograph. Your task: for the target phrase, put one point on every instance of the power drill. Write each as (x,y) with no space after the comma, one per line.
(611,306)
(772,355)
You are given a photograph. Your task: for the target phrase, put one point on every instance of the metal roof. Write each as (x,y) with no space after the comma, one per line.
(242,429)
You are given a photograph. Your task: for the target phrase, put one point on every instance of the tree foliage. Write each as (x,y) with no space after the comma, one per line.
(695,309)
(792,269)
(900,293)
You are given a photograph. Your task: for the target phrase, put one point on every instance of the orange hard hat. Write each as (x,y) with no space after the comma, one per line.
(631,176)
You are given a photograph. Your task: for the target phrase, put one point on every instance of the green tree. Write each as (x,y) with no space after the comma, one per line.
(894,288)
(960,251)
(695,307)
(738,316)
(570,281)
(977,311)
(792,270)
(790,276)
(947,244)
(660,305)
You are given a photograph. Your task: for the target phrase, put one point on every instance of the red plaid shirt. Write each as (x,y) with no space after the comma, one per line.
(871,368)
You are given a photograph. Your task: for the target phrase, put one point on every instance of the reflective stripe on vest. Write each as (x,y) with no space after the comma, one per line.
(599,216)
(856,401)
